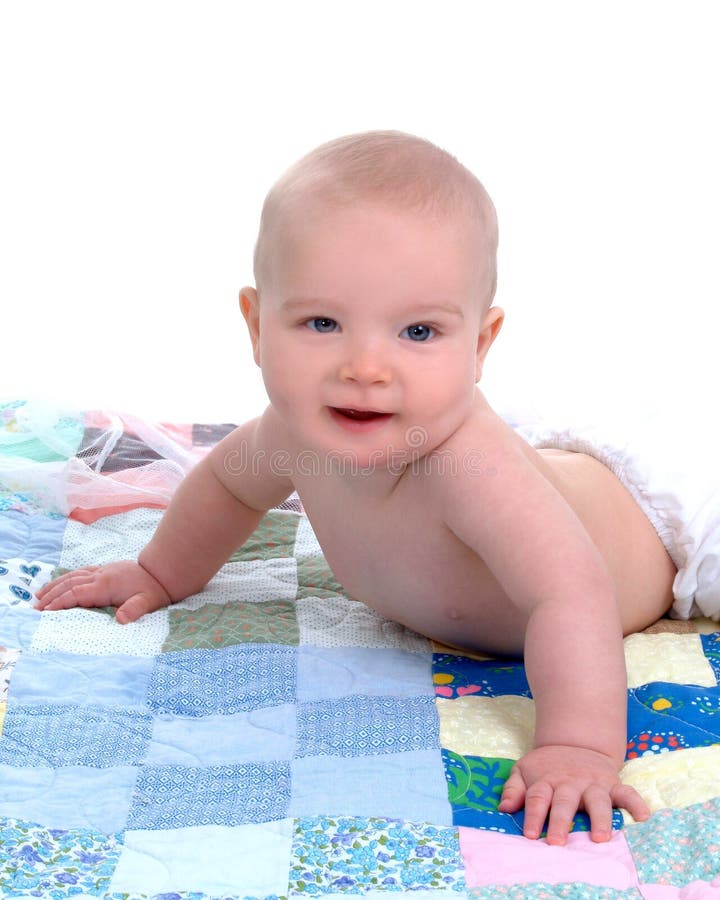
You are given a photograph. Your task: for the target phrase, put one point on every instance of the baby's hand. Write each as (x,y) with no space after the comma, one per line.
(123,584)
(562,780)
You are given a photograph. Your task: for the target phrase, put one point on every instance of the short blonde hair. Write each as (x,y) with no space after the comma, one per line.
(389,167)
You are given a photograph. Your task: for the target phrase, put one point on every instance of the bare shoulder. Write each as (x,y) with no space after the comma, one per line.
(253,461)
(484,449)
(490,485)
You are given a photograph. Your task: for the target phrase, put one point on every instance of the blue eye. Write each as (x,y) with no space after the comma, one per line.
(322,325)
(419,332)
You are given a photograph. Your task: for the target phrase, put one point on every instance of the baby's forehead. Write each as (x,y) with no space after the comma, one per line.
(319,247)
(386,171)
(300,216)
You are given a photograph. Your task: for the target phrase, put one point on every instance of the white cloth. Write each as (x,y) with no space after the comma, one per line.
(671,468)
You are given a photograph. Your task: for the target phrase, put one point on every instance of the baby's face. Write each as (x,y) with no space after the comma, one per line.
(368,332)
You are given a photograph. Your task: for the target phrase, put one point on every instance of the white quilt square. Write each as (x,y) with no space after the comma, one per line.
(121,536)
(306,544)
(95,633)
(340,622)
(254,581)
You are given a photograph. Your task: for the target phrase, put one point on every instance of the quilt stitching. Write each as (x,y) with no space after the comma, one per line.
(273,712)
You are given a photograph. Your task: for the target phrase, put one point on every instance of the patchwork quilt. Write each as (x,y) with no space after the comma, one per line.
(270,737)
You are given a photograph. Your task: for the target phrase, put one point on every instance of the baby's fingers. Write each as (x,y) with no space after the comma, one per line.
(626,797)
(538,800)
(598,806)
(565,803)
(513,795)
(51,588)
(61,593)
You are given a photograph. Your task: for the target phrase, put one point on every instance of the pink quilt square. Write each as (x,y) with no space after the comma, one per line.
(492,858)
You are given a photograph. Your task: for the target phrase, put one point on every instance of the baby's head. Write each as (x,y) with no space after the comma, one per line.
(375,271)
(393,170)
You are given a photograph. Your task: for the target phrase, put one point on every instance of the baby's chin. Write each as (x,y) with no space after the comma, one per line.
(345,460)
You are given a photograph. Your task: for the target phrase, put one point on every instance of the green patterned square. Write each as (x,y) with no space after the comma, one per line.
(213,626)
(274,537)
(315,579)
(475,782)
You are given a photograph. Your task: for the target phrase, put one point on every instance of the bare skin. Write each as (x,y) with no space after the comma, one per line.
(371,335)
(428,563)
(475,613)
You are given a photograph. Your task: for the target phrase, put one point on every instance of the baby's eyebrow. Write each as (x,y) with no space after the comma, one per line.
(412,310)
(295,303)
(434,308)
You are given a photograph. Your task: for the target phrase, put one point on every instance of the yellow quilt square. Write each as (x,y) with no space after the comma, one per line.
(487,726)
(675,658)
(675,779)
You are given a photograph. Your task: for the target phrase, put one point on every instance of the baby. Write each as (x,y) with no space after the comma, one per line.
(371,320)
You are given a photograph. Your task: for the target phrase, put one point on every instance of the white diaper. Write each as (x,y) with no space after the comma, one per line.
(674,475)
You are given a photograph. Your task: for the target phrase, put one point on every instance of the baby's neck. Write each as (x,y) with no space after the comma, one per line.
(371,482)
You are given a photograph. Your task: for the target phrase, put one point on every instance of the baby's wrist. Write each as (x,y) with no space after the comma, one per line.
(147,566)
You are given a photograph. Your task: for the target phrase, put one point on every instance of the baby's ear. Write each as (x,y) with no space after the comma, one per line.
(488,332)
(251,311)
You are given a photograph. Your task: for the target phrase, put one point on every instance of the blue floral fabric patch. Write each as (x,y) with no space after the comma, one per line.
(355,855)
(41,862)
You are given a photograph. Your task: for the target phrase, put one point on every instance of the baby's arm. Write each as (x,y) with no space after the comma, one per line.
(214,510)
(540,553)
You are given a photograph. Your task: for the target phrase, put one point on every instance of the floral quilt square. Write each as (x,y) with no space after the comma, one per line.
(357,855)
(42,862)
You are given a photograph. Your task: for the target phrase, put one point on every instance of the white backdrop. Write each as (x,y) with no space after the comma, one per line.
(139,138)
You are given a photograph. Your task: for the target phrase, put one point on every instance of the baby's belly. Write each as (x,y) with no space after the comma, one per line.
(452,598)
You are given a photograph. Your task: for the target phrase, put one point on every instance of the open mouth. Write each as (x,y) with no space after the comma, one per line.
(358,420)
(359,415)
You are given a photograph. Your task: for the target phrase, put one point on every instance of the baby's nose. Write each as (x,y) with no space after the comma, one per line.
(366,366)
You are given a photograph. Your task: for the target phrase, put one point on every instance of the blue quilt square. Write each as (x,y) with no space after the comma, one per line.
(18,625)
(329,673)
(407,786)
(62,735)
(181,796)
(227,680)
(69,796)
(367,726)
(711,648)
(31,537)
(461,676)
(664,716)
(214,740)
(73,680)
